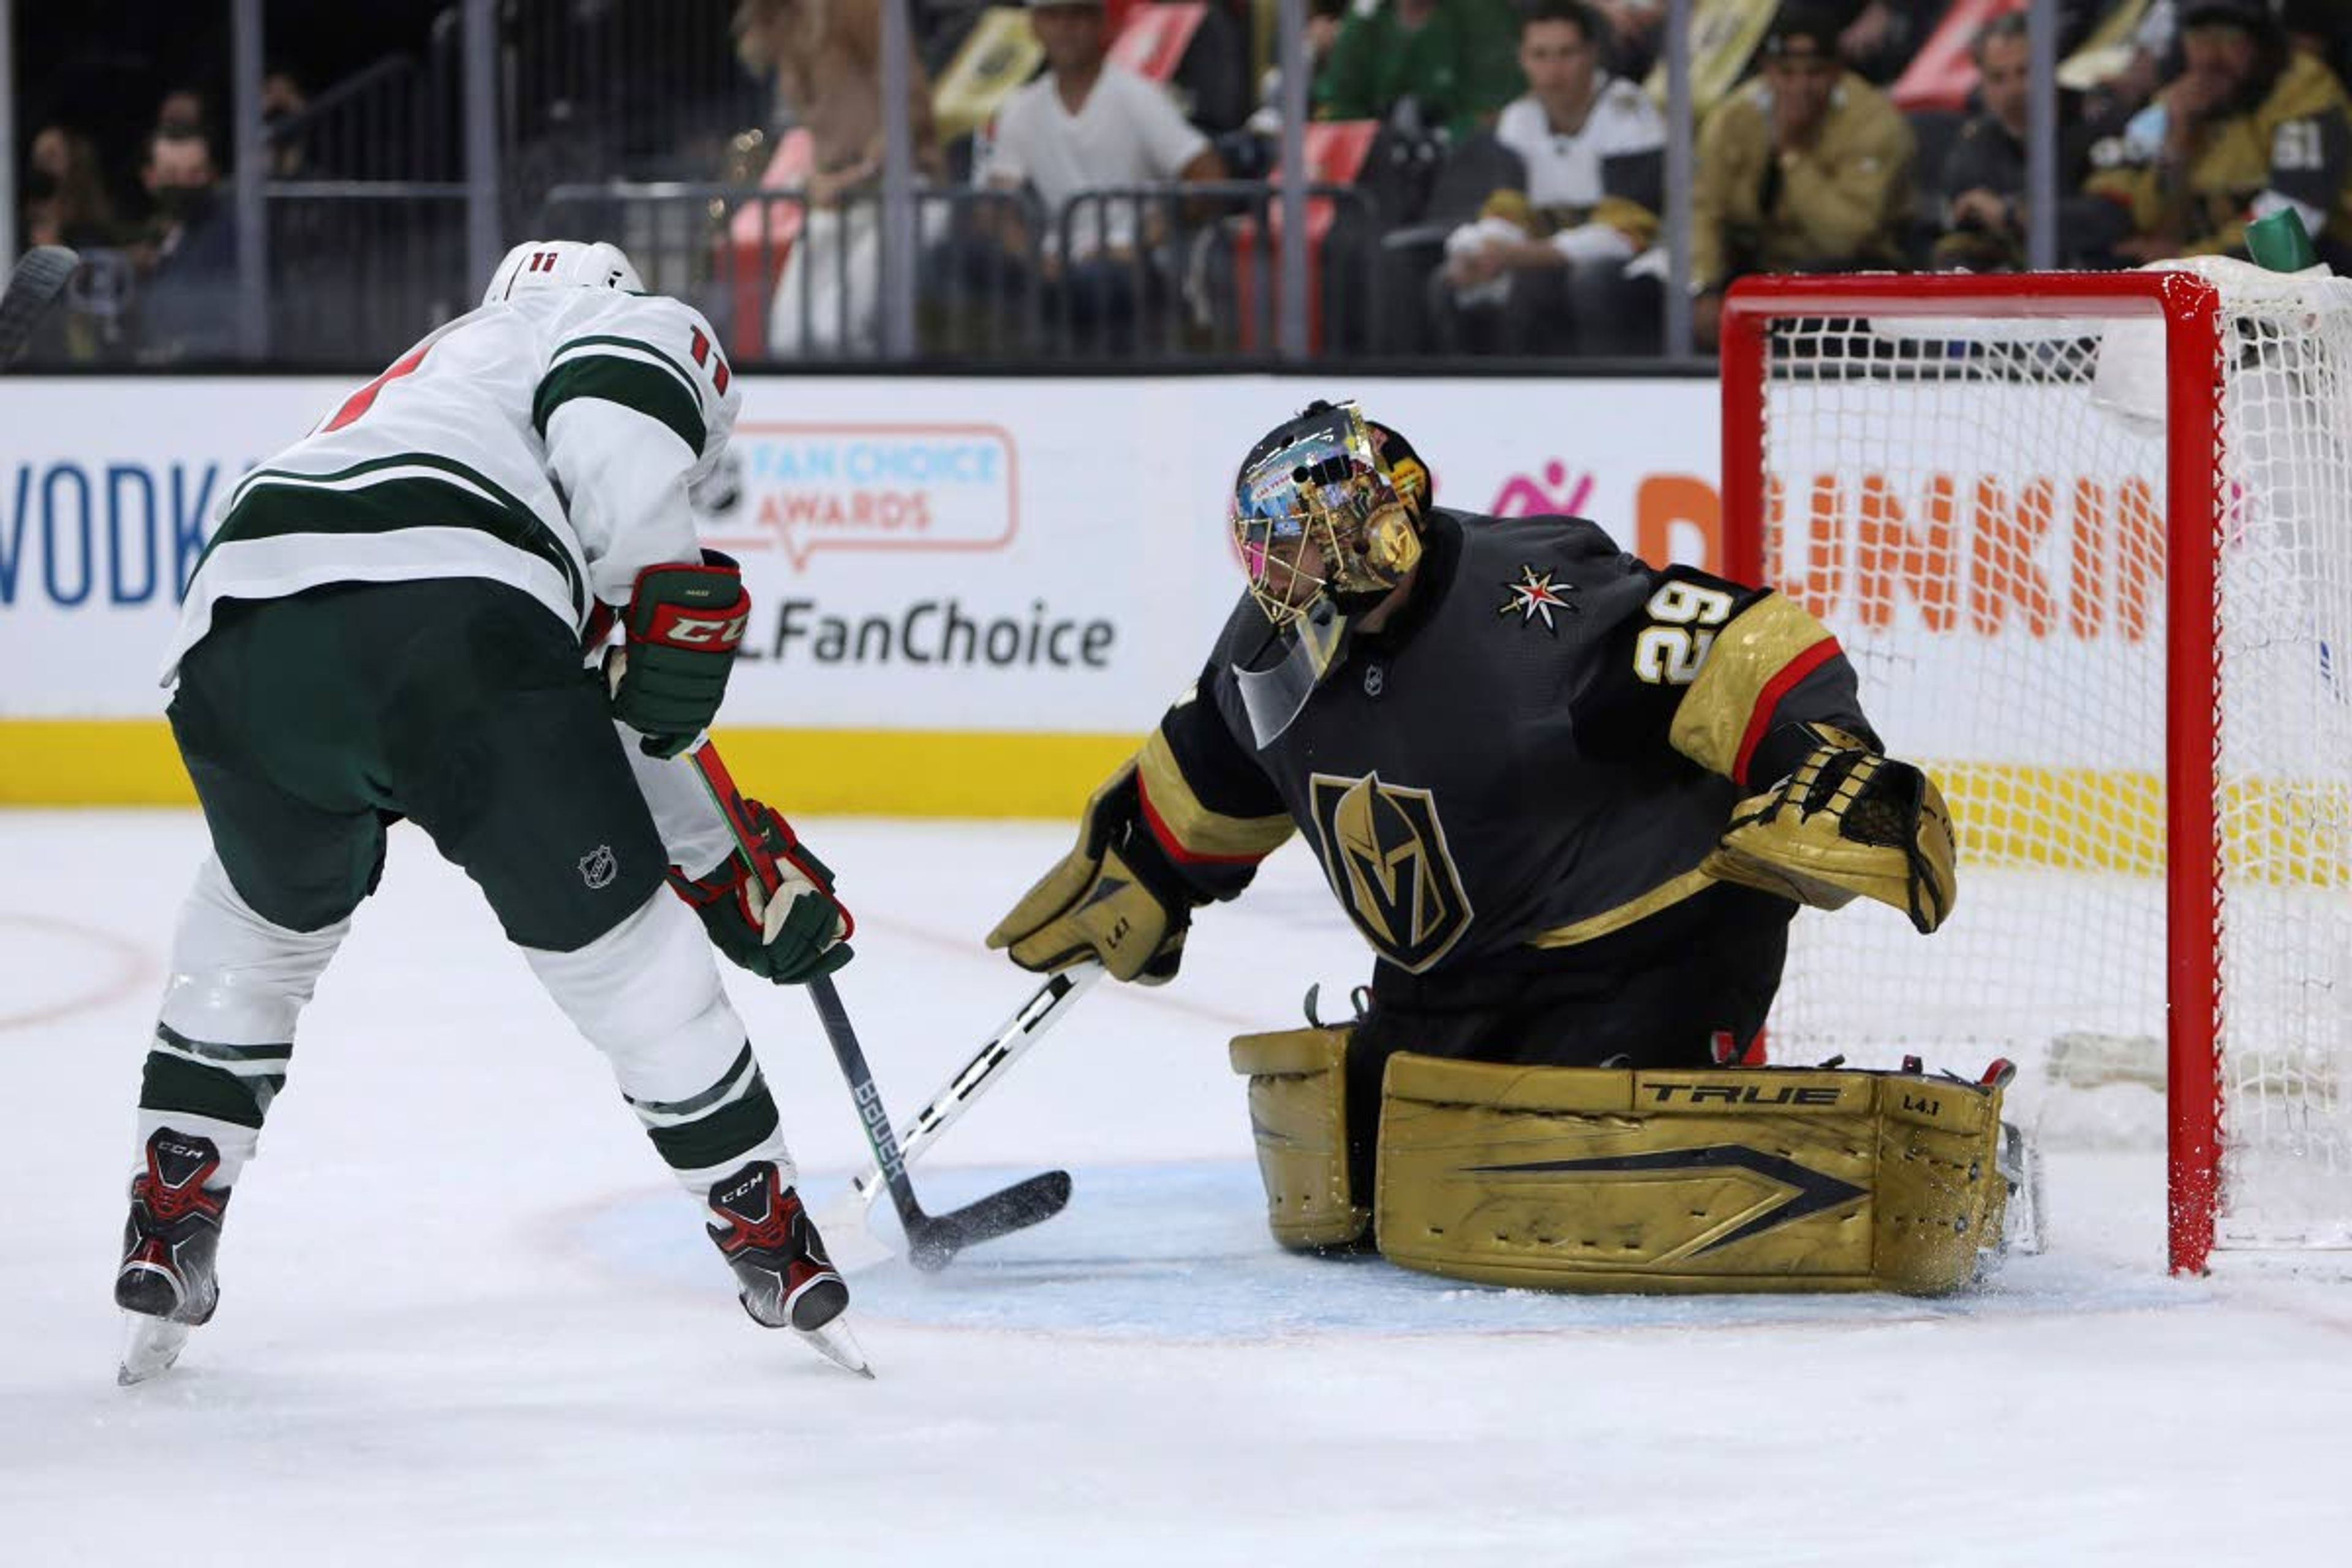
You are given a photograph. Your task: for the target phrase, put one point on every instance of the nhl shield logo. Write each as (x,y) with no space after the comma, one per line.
(599,867)
(1384,853)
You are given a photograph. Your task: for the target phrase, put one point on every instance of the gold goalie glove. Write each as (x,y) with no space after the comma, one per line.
(1847,821)
(1112,898)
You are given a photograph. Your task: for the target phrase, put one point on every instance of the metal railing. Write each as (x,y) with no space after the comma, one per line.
(780,277)
(359,269)
(1199,267)
(634,89)
(995,277)
(398,118)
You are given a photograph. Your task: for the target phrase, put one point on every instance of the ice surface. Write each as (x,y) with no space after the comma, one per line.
(465,1320)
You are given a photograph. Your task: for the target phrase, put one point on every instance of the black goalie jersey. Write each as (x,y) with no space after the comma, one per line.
(1538,751)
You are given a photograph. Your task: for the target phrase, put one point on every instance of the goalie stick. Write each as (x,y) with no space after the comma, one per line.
(933,1240)
(40,275)
(1028,1023)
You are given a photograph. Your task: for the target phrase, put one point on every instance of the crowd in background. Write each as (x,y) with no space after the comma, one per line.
(1505,167)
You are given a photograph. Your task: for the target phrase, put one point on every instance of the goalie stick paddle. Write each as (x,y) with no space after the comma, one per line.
(933,1240)
(41,276)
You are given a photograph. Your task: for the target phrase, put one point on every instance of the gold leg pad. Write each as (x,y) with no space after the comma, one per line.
(1298,1113)
(1593,1179)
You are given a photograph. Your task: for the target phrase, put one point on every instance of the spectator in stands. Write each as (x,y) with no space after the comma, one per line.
(1880,36)
(2243,129)
(182,106)
(283,100)
(2322,29)
(826,55)
(65,193)
(1636,34)
(188,306)
(2127,89)
(1324,20)
(67,203)
(1806,168)
(1089,125)
(1422,65)
(1542,268)
(1984,177)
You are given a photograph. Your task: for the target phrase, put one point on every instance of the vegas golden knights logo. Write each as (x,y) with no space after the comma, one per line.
(1384,851)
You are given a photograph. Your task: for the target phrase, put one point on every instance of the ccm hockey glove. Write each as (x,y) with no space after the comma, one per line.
(684,623)
(1847,821)
(1114,898)
(790,936)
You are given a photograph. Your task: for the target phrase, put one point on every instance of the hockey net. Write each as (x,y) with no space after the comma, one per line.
(2088,539)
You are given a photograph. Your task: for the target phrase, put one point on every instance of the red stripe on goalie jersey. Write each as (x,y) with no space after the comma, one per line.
(1210,806)
(1768,665)
(1176,847)
(1768,703)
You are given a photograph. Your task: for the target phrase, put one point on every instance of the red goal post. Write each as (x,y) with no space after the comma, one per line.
(1974,481)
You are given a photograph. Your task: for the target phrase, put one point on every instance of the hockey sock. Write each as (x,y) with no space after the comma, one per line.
(706,1134)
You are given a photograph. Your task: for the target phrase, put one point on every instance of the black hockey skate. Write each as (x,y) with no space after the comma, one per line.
(168,1282)
(785,1279)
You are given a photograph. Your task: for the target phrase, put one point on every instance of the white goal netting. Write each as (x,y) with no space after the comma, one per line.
(1978,508)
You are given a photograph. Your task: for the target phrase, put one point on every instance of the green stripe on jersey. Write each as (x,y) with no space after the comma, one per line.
(304,503)
(631,383)
(636,345)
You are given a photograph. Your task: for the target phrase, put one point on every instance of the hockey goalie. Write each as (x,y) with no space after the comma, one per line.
(1573,800)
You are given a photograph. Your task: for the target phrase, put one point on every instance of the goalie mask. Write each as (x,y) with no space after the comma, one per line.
(1328,504)
(1326,515)
(562,264)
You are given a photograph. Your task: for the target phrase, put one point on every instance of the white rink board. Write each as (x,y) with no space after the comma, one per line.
(1018,555)
(973,555)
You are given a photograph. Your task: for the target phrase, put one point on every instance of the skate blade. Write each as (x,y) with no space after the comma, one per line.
(837,1344)
(150,1346)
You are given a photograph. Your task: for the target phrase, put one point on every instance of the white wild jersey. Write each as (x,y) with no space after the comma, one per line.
(546,442)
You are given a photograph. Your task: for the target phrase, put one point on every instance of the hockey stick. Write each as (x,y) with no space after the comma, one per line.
(41,276)
(933,1240)
(1044,1008)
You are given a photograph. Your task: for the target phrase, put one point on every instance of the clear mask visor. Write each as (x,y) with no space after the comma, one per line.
(1275,693)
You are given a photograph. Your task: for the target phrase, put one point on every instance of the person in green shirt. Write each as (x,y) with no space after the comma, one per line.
(1457,61)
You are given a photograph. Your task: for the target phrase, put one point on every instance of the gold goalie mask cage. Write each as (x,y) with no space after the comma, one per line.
(1326,518)
(1327,504)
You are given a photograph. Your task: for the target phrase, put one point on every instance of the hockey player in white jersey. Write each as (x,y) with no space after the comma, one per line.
(396,618)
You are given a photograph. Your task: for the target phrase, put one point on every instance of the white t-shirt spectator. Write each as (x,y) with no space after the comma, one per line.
(1127,133)
(1619,151)
(1572,170)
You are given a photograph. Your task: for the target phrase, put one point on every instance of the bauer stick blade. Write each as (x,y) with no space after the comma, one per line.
(1028,1024)
(41,275)
(932,1241)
